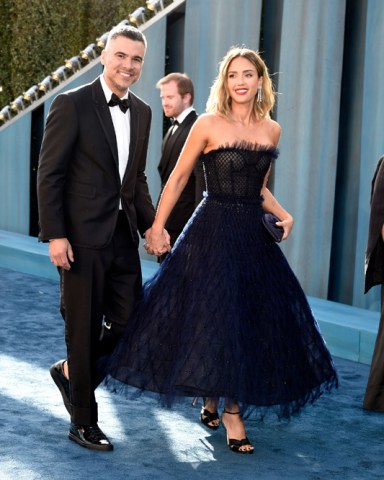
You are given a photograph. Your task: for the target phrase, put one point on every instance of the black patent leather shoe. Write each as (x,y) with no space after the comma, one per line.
(89,437)
(62,383)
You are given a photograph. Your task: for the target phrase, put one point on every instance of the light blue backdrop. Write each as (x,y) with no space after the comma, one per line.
(309,82)
(326,55)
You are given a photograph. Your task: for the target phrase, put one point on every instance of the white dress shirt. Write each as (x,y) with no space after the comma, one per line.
(180,118)
(122,126)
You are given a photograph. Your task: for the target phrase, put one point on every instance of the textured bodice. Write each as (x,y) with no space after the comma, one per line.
(237,171)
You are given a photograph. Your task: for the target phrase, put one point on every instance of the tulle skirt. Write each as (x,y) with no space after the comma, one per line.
(226,317)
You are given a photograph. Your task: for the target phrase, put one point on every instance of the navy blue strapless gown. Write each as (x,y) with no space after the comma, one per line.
(225,316)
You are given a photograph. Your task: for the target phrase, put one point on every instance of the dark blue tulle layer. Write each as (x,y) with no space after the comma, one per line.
(225,317)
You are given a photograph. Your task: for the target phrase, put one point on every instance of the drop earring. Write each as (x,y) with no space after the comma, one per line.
(259,97)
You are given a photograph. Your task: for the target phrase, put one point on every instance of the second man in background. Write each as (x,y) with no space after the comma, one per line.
(177,95)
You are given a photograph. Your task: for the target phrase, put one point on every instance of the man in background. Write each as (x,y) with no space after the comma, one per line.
(374,275)
(177,95)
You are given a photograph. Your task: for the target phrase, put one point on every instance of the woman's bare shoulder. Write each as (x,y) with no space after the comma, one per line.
(212,127)
(274,130)
(273,125)
(208,124)
(208,119)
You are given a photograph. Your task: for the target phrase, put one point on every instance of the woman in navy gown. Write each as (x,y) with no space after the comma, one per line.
(225,318)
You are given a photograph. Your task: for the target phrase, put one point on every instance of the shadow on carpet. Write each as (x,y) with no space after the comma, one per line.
(334,439)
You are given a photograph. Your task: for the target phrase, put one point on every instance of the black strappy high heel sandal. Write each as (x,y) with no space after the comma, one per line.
(236,445)
(207,417)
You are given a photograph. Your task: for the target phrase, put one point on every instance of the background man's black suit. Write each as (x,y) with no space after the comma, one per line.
(192,193)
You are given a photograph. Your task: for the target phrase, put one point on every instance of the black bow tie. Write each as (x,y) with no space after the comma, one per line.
(123,104)
(175,123)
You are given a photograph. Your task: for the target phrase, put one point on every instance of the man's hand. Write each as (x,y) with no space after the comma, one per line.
(157,243)
(60,252)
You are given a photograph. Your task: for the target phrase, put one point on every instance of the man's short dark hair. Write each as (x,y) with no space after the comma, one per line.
(127,31)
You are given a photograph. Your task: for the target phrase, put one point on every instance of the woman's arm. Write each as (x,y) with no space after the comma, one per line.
(194,145)
(270,204)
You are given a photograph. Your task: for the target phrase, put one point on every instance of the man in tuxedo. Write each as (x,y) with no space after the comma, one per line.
(93,199)
(374,275)
(177,94)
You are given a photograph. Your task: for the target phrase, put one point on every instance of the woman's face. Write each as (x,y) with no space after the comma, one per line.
(242,80)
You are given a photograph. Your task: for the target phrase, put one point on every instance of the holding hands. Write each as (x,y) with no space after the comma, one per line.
(157,241)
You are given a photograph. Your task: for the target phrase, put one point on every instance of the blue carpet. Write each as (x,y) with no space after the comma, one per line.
(334,439)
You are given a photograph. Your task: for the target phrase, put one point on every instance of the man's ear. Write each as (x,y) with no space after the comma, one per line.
(187,99)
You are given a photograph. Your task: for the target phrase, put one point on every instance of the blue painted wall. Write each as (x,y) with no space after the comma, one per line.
(328,71)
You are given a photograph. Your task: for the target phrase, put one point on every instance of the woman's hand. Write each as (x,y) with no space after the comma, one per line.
(270,204)
(287,224)
(157,241)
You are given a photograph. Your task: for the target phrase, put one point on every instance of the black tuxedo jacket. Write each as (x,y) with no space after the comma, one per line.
(374,255)
(79,187)
(193,191)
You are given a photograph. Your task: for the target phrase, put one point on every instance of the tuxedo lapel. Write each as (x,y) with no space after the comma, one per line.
(167,137)
(171,142)
(168,140)
(165,151)
(104,116)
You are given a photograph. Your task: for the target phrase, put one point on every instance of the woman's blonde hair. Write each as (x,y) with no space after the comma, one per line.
(219,100)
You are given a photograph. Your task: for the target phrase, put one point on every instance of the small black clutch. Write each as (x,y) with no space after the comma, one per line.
(269,222)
